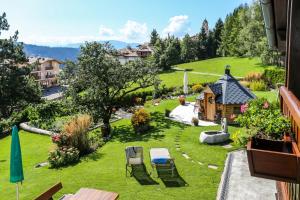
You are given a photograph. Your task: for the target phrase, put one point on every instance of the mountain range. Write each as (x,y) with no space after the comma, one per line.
(68,51)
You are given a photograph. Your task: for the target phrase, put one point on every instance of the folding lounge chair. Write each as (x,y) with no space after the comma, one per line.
(161,157)
(134,156)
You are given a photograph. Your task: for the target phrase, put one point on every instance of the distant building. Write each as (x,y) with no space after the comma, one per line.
(46,71)
(131,54)
(125,55)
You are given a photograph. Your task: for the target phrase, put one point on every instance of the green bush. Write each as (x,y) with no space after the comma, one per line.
(140,120)
(63,156)
(265,118)
(197,88)
(258,86)
(274,76)
(149,98)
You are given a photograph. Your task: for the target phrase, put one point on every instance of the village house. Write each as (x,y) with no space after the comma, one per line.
(46,70)
(223,99)
(131,54)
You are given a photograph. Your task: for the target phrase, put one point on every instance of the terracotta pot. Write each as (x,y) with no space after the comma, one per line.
(276,160)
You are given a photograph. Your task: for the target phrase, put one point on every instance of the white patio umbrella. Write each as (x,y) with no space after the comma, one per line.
(185,83)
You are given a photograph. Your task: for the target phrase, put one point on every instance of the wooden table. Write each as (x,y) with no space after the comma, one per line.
(93,194)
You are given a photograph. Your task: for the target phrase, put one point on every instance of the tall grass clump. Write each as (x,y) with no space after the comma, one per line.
(77,132)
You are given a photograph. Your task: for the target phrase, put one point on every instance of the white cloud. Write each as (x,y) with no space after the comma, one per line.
(131,31)
(105,31)
(56,40)
(178,26)
(134,31)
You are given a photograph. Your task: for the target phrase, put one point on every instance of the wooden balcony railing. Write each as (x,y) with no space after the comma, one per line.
(49,68)
(290,107)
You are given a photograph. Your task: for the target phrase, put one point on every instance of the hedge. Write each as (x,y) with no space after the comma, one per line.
(274,76)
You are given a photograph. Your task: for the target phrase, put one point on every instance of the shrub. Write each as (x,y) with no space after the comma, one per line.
(265,118)
(274,76)
(148,98)
(63,156)
(140,120)
(181,100)
(60,139)
(138,101)
(77,131)
(167,112)
(258,86)
(195,121)
(96,139)
(253,76)
(245,83)
(197,88)
(241,138)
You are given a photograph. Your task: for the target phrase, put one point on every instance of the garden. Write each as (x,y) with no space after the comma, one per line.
(105,167)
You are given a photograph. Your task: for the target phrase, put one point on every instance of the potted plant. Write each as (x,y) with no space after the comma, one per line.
(195,121)
(181,100)
(269,154)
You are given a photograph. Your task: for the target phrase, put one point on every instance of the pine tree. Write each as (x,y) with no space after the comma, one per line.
(153,37)
(217,35)
(203,41)
(188,49)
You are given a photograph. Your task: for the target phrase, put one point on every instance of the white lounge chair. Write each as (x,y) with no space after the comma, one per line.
(134,156)
(161,157)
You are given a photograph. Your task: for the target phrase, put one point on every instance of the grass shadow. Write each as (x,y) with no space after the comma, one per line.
(162,123)
(125,133)
(139,172)
(170,181)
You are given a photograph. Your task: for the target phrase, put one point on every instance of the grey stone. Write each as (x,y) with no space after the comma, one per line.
(213,137)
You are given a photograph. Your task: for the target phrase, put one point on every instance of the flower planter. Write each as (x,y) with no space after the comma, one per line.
(276,160)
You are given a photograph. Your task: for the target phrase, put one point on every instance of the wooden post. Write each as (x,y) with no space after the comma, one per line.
(293,47)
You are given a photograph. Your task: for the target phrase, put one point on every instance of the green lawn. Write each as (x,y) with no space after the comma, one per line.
(105,169)
(239,66)
(269,95)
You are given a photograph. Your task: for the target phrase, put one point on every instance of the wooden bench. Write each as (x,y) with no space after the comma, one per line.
(47,195)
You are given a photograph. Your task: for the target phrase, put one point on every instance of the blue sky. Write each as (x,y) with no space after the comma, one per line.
(60,22)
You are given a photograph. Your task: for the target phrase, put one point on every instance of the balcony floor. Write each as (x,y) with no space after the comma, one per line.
(237,184)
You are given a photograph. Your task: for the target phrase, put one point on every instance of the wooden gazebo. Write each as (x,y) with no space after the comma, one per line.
(223,99)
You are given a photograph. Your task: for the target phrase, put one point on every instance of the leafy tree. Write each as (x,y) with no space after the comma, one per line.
(159,56)
(244,35)
(69,72)
(203,41)
(217,35)
(154,37)
(188,49)
(172,52)
(17,88)
(104,81)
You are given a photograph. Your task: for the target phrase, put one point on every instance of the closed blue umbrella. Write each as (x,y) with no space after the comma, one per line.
(16,168)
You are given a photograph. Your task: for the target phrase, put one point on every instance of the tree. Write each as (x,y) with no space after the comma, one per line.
(187,49)
(217,35)
(172,52)
(159,55)
(154,37)
(17,87)
(104,81)
(69,72)
(203,41)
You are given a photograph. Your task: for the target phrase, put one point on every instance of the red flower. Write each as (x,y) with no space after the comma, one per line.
(266,105)
(244,108)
